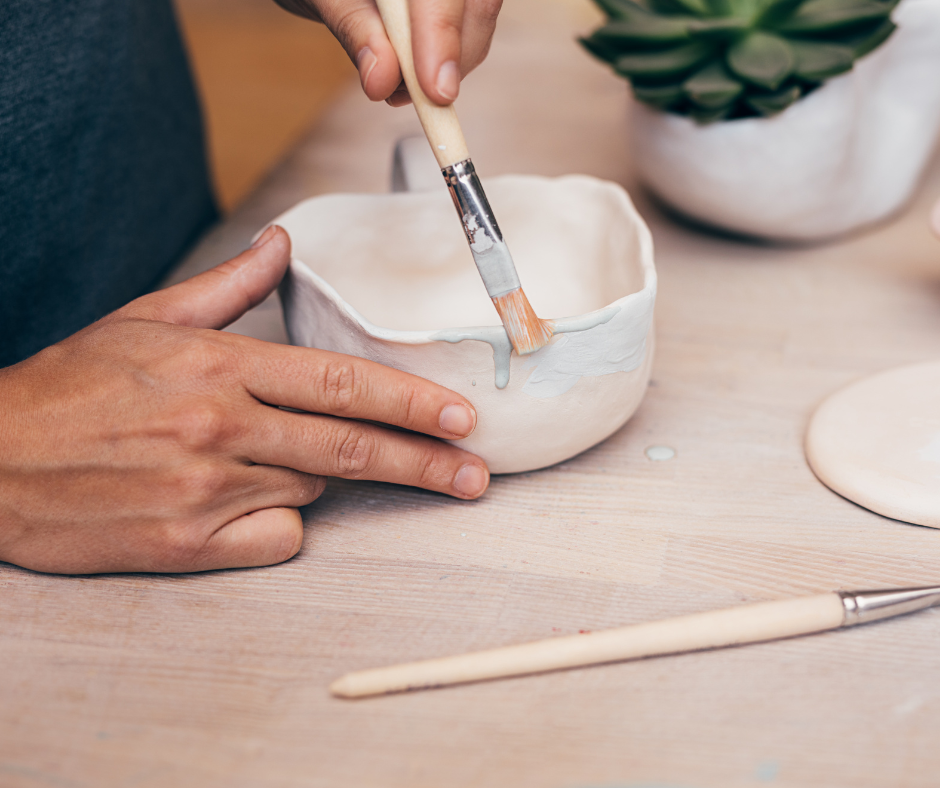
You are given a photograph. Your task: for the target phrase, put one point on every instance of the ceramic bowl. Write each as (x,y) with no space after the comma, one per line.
(389,277)
(849,154)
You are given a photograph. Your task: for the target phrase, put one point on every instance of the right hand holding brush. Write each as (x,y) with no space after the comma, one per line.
(451,38)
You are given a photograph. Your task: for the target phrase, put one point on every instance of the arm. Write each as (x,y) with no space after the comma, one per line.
(151,441)
(451,38)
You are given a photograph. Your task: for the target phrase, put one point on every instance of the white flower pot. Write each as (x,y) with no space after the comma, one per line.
(388,277)
(847,155)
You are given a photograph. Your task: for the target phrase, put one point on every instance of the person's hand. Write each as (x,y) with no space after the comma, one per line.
(151,442)
(449,37)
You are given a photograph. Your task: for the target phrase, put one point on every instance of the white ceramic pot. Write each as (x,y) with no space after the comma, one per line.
(389,277)
(847,155)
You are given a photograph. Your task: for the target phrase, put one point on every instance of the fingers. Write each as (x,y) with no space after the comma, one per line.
(436,27)
(400,97)
(304,8)
(258,509)
(318,381)
(450,38)
(358,27)
(325,446)
(222,294)
(377,64)
(262,486)
(261,538)
(479,24)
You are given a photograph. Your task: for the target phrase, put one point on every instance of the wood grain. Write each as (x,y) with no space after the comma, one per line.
(220,679)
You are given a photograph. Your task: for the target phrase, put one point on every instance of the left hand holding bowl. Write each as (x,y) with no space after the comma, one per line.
(153,442)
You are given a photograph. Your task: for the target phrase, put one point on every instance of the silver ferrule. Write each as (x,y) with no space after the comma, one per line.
(490,252)
(864,606)
(470,201)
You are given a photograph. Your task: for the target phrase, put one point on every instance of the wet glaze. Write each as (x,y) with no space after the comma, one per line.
(496,337)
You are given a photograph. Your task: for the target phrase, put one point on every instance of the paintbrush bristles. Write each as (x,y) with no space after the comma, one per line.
(526,331)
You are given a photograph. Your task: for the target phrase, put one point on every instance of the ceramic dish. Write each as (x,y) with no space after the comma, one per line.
(389,277)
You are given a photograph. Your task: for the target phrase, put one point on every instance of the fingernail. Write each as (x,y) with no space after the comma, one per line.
(365,62)
(458,420)
(448,80)
(266,236)
(470,480)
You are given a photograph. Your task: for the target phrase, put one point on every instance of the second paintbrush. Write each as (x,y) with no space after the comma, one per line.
(736,626)
(490,253)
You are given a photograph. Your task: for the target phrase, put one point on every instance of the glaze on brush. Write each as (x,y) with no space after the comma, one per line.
(526,331)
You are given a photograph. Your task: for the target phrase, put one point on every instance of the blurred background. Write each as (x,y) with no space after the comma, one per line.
(264,77)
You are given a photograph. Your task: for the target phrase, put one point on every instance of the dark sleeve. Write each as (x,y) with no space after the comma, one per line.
(103,177)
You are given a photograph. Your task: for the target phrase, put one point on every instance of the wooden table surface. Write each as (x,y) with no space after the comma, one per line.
(219,679)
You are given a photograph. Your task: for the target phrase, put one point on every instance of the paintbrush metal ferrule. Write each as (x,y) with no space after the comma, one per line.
(490,252)
(861,607)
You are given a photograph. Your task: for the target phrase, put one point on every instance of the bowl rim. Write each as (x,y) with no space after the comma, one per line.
(427,336)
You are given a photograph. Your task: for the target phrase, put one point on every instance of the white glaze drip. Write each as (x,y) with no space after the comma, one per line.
(496,338)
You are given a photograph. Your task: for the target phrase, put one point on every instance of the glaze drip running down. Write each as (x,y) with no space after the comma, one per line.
(496,338)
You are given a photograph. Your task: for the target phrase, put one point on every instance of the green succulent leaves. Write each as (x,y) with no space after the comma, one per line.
(663,63)
(825,16)
(724,59)
(818,60)
(761,59)
(712,87)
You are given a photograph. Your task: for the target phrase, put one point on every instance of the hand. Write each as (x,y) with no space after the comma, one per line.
(151,442)
(450,38)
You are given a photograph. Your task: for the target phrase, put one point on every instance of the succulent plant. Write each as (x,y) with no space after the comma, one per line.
(725,59)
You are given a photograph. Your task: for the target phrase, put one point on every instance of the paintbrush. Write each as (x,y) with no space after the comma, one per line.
(490,252)
(715,629)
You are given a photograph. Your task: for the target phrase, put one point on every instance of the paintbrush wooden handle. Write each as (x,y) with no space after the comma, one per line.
(714,629)
(440,123)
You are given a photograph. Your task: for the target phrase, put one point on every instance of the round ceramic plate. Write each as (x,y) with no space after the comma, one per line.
(877,443)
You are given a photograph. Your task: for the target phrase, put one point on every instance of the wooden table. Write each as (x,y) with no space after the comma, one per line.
(219,679)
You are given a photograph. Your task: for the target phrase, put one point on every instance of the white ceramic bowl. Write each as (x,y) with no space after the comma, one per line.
(389,277)
(847,155)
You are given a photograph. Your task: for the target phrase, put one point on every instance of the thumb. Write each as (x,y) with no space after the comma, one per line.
(358,27)
(222,294)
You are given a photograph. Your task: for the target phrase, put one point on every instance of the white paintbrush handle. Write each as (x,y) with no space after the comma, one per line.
(714,629)
(440,123)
